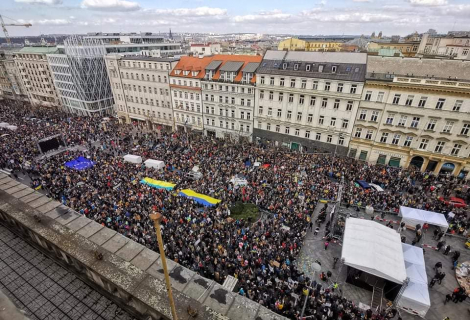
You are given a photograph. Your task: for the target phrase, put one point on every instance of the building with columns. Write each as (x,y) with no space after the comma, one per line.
(415,112)
(308,100)
(228,93)
(141,89)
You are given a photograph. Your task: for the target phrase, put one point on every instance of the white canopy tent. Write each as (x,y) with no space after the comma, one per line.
(415,297)
(132,158)
(156,164)
(12,128)
(411,217)
(373,248)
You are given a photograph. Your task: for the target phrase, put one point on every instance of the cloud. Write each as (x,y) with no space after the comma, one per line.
(428,3)
(110,5)
(190,12)
(52,22)
(457,10)
(264,16)
(45,2)
(362,0)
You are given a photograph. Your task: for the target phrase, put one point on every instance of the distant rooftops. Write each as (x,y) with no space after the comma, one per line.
(320,57)
(39,50)
(146,58)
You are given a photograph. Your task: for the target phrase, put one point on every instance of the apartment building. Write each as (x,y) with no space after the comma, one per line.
(415,112)
(308,100)
(18,89)
(36,75)
(228,91)
(205,49)
(186,93)
(6,89)
(313,44)
(141,89)
(456,46)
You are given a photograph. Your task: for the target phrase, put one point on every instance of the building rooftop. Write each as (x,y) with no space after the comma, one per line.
(420,67)
(147,58)
(39,50)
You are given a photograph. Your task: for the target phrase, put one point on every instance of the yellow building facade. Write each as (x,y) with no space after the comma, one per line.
(408,49)
(295,44)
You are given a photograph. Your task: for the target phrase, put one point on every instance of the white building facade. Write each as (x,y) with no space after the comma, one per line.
(141,89)
(308,100)
(205,49)
(450,46)
(407,118)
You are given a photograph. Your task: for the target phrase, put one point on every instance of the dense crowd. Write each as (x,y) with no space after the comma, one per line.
(260,254)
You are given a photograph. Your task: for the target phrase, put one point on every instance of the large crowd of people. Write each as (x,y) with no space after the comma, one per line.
(260,254)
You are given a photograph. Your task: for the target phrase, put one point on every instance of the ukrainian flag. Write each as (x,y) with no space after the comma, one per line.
(158,184)
(199,197)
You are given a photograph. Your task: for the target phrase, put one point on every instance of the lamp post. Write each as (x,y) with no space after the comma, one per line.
(316,268)
(157,218)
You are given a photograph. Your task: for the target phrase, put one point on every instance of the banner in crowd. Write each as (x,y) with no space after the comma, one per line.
(80,163)
(158,184)
(199,197)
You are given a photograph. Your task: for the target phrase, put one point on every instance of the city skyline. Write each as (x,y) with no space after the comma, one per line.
(300,17)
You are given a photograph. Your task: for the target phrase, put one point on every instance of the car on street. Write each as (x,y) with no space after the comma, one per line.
(454,202)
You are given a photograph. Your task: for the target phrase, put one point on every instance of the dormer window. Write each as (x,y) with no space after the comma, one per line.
(308,67)
(186,72)
(320,68)
(356,70)
(296,66)
(334,69)
(284,66)
(194,73)
(177,71)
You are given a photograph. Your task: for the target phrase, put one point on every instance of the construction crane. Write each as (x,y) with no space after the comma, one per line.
(4,25)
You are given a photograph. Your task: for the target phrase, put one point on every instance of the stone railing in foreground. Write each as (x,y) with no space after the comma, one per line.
(130,273)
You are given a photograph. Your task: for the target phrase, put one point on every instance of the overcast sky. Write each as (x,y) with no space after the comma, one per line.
(222,16)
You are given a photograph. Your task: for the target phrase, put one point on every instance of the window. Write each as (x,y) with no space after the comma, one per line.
(327,86)
(297,132)
(402,121)
(390,118)
(374,116)
(242,114)
(324,102)
(315,85)
(281,82)
(431,124)
(358,132)
(281,96)
(261,94)
(271,95)
(284,66)
(369,134)
(321,119)
(308,67)
(345,124)
(307,134)
(329,138)
(368,95)
(396,139)
(241,127)
(334,68)
(289,115)
(422,102)
(287,130)
(363,155)
(291,98)
(408,141)
(233,113)
(440,103)
(292,83)
(415,122)
(456,149)
(384,137)
(333,122)
(349,106)
(424,144)
(270,111)
(279,113)
(340,87)
(439,146)
(396,99)
(261,80)
(465,129)
(312,101)
(318,136)
(310,118)
(268,126)
(363,115)
(271,81)
(260,110)
(448,127)
(299,116)
(320,68)
(341,140)
(380,96)
(301,99)
(353,88)
(304,84)
(336,104)
(457,105)
(409,100)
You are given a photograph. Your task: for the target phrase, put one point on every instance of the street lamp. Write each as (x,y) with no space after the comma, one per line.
(316,268)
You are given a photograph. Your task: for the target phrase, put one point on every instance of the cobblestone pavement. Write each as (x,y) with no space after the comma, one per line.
(313,250)
(44,289)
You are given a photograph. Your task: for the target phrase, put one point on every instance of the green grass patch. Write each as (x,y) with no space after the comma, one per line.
(247,211)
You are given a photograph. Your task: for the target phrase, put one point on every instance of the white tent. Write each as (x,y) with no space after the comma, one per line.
(133,158)
(373,248)
(415,297)
(12,128)
(4,124)
(156,164)
(412,217)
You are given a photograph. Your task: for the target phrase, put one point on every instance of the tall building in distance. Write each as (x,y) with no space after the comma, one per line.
(308,100)
(415,112)
(36,75)
(141,89)
(455,46)
(228,91)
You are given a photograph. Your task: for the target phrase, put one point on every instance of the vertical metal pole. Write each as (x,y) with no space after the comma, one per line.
(157,218)
(308,294)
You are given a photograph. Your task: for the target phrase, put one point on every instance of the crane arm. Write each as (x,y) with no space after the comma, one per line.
(18,25)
